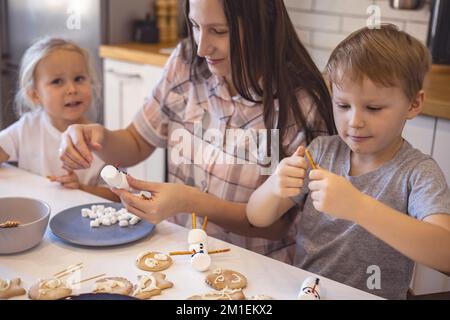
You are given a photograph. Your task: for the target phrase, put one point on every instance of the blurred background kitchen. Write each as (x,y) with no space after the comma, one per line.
(131,40)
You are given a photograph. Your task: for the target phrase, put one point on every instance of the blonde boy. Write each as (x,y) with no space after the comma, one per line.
(375,202)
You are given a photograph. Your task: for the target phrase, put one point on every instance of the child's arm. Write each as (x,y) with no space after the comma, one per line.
(271,200)
(70,181)
(3,155)
(426,241)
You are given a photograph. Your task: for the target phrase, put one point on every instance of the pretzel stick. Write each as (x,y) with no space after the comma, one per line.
(68,270)
(91,278)
(9,224)
(205,222)
(182,253)
(194,222)
(219,251)
(310,159)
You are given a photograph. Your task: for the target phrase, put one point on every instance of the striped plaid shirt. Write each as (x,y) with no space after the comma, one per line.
(179,106)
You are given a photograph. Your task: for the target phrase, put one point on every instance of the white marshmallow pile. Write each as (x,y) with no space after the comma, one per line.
(101,216)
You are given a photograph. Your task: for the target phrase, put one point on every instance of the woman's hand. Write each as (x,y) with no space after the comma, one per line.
(69,181)
(76,145)
(167,200)
(335,195)
(287,181)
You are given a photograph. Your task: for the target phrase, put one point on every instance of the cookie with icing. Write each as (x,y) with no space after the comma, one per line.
(49,289)
(220,279)
(226,294)
(114,285)
(153,261)
(11,288)
(151,285)
(260,297)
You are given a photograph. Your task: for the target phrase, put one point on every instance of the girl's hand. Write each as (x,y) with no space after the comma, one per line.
(334,195)
(76,145)
(69,181)
(287,181)
(167,200)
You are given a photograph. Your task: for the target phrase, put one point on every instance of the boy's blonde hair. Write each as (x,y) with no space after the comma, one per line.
(33,55)
(387,56)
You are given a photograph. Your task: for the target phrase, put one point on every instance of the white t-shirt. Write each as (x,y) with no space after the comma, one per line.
(33,142)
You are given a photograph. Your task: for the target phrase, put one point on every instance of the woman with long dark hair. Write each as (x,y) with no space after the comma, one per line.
(241,70)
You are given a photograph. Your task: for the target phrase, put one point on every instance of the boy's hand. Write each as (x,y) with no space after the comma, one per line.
(69,181)
(287,180)
(334,195)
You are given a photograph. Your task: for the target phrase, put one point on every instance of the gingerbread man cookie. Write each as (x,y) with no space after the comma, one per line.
(220,279)
(115,285)
(153,261)
(11,288)
(226,294)
(49,289)
(151,285)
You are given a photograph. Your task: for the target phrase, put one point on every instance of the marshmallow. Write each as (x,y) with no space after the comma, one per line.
(114,178)
(310,289)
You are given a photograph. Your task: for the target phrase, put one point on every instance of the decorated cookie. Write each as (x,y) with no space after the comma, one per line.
(220,279)
(115,285)
(49,289)
(151,285)
(226,294)
(11,288)
(260,297)
(153,261)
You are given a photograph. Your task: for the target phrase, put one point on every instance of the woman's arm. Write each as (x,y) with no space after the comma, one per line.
(169,199)
(124,147)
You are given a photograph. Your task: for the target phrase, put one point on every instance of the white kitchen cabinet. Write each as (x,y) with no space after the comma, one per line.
(126,85)
(420,133)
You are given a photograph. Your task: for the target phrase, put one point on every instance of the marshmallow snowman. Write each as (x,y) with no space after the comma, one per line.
(198,245)
(310,289)
(115,178)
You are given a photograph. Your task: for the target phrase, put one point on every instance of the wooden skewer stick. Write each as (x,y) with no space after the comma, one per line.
(10,224)
(68,270)
(310,159)
(205,222)
(91,278)
(194,222)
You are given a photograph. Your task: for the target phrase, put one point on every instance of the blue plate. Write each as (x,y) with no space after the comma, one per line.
(70,226)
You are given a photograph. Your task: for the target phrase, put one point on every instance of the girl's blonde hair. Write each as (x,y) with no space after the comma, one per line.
(33,55)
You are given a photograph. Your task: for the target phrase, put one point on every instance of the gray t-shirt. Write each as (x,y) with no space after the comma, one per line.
(341,250)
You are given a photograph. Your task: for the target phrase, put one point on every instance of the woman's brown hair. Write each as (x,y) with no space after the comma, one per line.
(265,46)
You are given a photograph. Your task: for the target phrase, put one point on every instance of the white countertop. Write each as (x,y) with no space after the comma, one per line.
(264,275)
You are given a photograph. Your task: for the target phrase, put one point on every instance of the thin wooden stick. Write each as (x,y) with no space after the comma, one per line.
(219,251)
(310,159)
(91,278)
(194,222)
(68,270)
(205,222)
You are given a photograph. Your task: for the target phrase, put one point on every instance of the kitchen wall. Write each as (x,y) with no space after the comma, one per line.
(322,24)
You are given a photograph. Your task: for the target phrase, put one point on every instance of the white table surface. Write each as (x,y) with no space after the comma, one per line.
(264,275)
